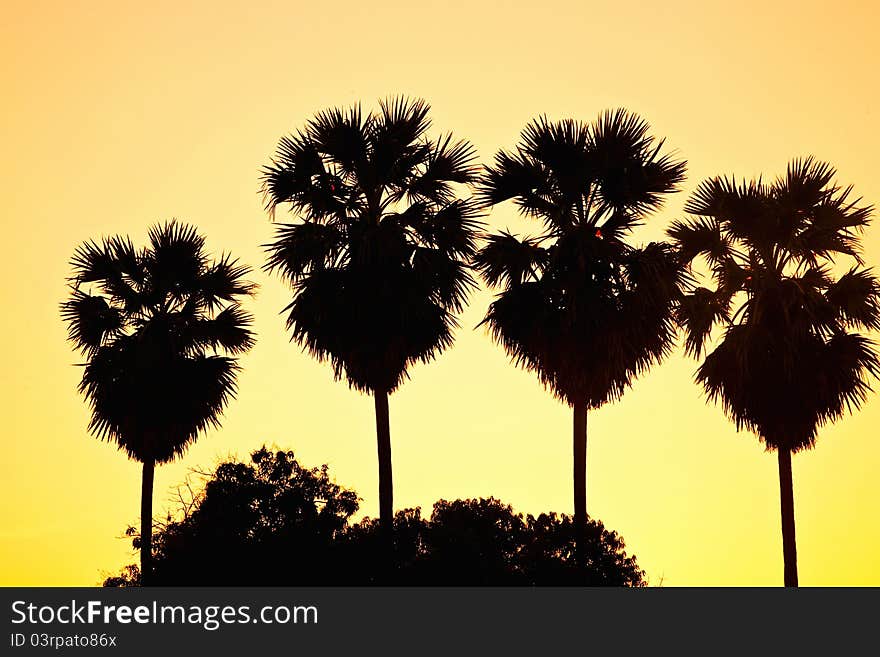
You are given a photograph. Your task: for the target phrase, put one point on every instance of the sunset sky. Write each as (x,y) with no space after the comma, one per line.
(117,115)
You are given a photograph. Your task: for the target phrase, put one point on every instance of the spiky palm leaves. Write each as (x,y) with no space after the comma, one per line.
(580,307)
(378,255)
(151,322)
(789,358)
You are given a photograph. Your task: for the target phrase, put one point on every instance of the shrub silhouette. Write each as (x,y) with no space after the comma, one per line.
(274,522)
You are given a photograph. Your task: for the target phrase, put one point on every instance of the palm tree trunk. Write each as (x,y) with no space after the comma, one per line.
(580,466)
(147,524)
(386,485)
(786,498)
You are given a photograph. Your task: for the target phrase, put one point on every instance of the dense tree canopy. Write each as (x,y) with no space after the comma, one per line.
(580,306)
(161,327)
(274,522)
(378,250)
(789,357)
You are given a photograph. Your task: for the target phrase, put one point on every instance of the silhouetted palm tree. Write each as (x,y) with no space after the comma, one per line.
(146,322)
(378,255)
(581,307)
(787,361)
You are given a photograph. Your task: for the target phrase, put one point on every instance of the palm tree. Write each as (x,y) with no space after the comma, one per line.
(788,360)
(377,256)
(146,323)
(580,307)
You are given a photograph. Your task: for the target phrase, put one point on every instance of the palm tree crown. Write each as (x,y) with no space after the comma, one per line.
(147,321)
(580,307)
(789,359)
(378,255)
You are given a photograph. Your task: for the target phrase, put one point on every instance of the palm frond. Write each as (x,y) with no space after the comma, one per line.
(93,262)
(404,119)
(655,274)
(176,258)
(452,228)
(299,176)
(561,148)
(114,265)
(514,176)
(447,162)
(817,242)
(524,321)
(378,326)
(708,199)
(856,297)
(155,409)
(90,320)
(619,223)
(698,313)
(730,277)
(805,184)
(507,260)
(224,280)
(847,361)
(303,247)
(229,330)
(700,236)
(629,169)
(339,136)
(394,137)
(447,280)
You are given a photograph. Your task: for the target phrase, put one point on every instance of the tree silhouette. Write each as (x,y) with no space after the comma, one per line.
(580,307)
(378,255)
(263,522)
(788,360)
(272,521)
(145,323)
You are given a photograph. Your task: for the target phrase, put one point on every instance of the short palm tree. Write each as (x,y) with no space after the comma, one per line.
(378,254)
(788,358)
(146,320)
(582,308)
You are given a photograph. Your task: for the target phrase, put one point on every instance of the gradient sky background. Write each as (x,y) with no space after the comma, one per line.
(120,114)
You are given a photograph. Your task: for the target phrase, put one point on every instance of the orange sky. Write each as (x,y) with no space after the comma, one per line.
(120,114)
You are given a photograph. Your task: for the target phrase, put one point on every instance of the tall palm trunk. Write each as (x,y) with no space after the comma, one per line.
(386,485)
(786,498)
(580,465)
(580,481)
(147,524)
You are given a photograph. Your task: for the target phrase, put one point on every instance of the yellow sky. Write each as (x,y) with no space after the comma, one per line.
(118,114)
